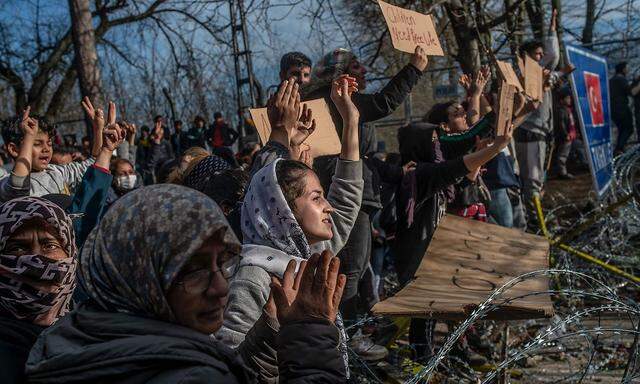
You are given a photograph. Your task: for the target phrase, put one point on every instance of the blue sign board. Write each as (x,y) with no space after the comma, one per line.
(590,86)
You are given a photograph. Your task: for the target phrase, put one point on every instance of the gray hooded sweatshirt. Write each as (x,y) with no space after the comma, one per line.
(272,237)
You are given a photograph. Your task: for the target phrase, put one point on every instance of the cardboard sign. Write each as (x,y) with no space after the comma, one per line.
(509,75)
(505,108)
(409,29)
(323,141)
(532,78)
(465,263)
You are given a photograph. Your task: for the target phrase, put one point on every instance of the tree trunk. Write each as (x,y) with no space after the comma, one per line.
(536,18)
(468,54)
(589,23)
(557,4)
(86,59)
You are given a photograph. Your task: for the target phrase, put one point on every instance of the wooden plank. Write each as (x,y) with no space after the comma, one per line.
(465,263)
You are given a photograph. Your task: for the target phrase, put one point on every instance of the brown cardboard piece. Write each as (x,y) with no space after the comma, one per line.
(409,29)
(505,108)
(323,141)
(509,74)
(532,78)
(465,263)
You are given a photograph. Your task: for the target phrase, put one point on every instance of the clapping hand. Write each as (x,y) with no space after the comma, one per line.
(317,292)
(290,284)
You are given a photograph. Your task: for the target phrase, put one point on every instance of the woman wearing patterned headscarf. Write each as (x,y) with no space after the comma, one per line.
(37,276)
(155,270)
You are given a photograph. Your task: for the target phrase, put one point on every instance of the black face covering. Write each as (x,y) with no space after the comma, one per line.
(417,143)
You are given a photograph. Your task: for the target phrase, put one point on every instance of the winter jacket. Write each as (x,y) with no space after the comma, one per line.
(372,107)
(228,134)
(90,200)
(158,154)
(16,340)
(127,151)
(54,179)
(90,345)
(421,197)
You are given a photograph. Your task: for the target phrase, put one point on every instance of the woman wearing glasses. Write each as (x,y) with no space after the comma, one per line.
(155,270)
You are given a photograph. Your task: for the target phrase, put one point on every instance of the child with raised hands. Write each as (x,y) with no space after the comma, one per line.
(29,141)
(286,216)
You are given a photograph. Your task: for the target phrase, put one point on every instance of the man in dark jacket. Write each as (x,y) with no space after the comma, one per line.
(566,131)
(220,134)
(372,106)
(159,151)
(620,110)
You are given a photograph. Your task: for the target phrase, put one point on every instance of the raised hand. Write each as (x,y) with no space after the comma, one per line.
(112,136)
(28,125)
(502,141)
(465,82)
(98,120)
(480,79)
(341,90)
(419,59)
(302,153)
(318,294)
(283,108)
(410,166)
(306,126)
(554,20)
(111,113)
(88,107)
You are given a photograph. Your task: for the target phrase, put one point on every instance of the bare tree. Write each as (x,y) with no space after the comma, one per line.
(86,56)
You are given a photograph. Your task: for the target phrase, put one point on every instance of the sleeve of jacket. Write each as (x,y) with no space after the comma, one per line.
(90,199)
(244,307)
(389,173)
(195,375)
(345,196)
(434,177)
(73,172)
(13,186)
(551,56)
(258,350)
(378,105)
(323,365)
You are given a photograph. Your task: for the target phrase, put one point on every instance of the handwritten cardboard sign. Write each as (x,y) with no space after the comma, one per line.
(467,260)
(532,78)
(409,29)
(509,74)
(323,141)
(505,108)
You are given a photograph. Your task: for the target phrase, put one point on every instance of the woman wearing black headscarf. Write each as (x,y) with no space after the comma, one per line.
(37,276)
(155,270)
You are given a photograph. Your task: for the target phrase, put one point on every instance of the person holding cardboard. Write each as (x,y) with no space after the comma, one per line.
(371,106)
(531,136)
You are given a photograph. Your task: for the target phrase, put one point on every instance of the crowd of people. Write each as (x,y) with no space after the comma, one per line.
(160,255)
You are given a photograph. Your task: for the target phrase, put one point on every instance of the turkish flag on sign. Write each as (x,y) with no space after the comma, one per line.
(594,95)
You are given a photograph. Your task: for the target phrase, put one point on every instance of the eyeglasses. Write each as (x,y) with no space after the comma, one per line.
(198,281)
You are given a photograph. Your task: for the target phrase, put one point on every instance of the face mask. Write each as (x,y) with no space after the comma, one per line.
(126,182)
(27,302)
